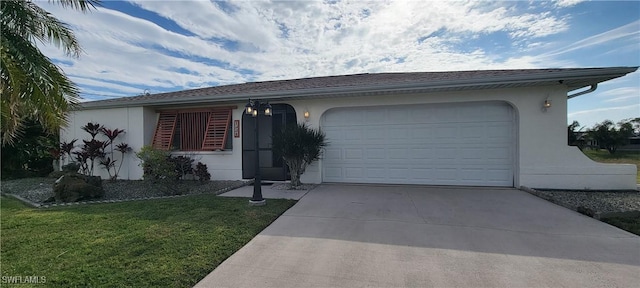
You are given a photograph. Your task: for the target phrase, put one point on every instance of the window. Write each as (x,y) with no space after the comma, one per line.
(194,130)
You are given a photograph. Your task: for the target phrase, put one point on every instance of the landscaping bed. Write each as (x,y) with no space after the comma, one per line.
(618,208)
(38,190)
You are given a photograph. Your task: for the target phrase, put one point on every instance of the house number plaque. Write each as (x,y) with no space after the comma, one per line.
(236,128)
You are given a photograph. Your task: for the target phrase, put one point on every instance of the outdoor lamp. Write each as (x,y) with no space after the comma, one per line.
(249,108)
(267,109)
(254,108)
(547,103)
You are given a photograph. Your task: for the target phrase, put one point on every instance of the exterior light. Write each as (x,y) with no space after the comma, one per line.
(306,114)
(267,109)
(547,103)
(253,108)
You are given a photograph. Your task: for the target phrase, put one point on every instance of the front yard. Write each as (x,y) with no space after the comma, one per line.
(154,243)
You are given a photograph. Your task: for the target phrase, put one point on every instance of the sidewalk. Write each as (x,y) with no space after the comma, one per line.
(270,191)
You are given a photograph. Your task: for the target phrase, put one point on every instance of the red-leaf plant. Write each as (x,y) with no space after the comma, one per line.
(123,148)
(66,148)
(112,135)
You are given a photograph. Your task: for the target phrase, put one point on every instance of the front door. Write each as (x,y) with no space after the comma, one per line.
(272,167)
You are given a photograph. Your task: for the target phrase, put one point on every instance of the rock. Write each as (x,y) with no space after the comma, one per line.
(76,187)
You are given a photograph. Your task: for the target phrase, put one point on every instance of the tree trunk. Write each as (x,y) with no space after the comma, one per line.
(295,166)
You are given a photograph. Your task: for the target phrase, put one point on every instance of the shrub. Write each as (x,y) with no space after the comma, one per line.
(202,172)
(184,165)
(157,164)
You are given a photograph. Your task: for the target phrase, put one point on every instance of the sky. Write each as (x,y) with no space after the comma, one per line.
(153,46)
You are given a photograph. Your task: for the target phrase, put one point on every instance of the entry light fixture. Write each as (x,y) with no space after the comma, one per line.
(306,114)
(253,108)
(547,104)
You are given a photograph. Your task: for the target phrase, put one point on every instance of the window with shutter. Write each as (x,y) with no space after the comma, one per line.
(193,130)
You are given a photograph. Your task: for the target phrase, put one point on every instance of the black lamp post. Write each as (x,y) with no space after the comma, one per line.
(255,108)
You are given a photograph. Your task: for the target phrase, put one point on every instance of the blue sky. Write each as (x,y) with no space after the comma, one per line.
(132,47)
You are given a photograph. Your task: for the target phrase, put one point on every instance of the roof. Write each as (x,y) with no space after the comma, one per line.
(374,84)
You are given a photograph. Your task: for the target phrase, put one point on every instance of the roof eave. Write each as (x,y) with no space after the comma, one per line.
(550,78)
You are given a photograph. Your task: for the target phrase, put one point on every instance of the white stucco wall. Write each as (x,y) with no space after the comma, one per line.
(139,124)
(543,159)
(130,119)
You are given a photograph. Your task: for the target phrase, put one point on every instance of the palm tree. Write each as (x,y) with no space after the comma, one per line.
(32,87)
(299,146)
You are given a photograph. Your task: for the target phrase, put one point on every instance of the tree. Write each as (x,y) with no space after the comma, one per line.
(573,135)
(299,146)
(32,155)
(611,137)
(31,85)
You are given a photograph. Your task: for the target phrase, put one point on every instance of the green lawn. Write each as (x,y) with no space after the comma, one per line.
(626,157)
(161,243)
(629,221)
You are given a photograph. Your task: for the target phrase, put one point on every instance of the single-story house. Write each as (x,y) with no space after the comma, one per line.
(471,128)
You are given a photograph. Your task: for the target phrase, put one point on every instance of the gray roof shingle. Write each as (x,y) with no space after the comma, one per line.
(573,78)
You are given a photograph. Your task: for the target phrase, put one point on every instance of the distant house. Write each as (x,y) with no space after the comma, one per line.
(471,128)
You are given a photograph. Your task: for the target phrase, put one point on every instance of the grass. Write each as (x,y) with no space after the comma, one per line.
(620,157)
(628,221)
(163,243)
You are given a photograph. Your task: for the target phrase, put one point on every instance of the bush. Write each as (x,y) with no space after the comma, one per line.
(184,165)
(202,172)
(157,164)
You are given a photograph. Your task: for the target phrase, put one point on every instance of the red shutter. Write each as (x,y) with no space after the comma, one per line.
(217,127)
(163,137)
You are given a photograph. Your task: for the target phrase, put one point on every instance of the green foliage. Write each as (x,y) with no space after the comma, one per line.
(183,164)
(32,86)
(299,146)
(158,243)
(628,221)
(30,155)
(611,136)
(156,164)
(573,137)
(202,172)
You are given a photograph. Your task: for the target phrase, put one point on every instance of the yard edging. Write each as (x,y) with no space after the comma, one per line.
(52,205)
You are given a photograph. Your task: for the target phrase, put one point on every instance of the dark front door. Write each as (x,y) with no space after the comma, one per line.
(272,167)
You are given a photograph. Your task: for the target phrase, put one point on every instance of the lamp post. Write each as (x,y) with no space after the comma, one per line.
(255,108)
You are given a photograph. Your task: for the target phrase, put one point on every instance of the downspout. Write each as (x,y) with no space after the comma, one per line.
(593,88)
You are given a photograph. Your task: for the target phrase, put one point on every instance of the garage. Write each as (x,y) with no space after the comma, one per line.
(470,144)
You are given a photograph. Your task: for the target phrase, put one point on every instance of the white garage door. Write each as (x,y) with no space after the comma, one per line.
(436,144)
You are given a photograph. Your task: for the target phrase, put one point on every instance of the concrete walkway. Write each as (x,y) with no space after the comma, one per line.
(413,236)
(268,192)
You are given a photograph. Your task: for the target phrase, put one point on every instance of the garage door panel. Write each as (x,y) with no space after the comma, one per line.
(444,144)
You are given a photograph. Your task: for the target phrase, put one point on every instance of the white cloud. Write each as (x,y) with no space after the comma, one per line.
(625,98)
(630,31)
(293,39)
(567,3)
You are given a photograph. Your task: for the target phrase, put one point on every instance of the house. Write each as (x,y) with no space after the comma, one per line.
(472,128)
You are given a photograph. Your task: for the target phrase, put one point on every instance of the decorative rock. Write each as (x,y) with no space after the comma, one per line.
(76,187)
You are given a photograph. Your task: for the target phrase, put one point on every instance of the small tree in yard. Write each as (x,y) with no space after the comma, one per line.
(573,138)
(609,136)
(299,146)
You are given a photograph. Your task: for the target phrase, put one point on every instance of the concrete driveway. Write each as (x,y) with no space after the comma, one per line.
(414,236)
